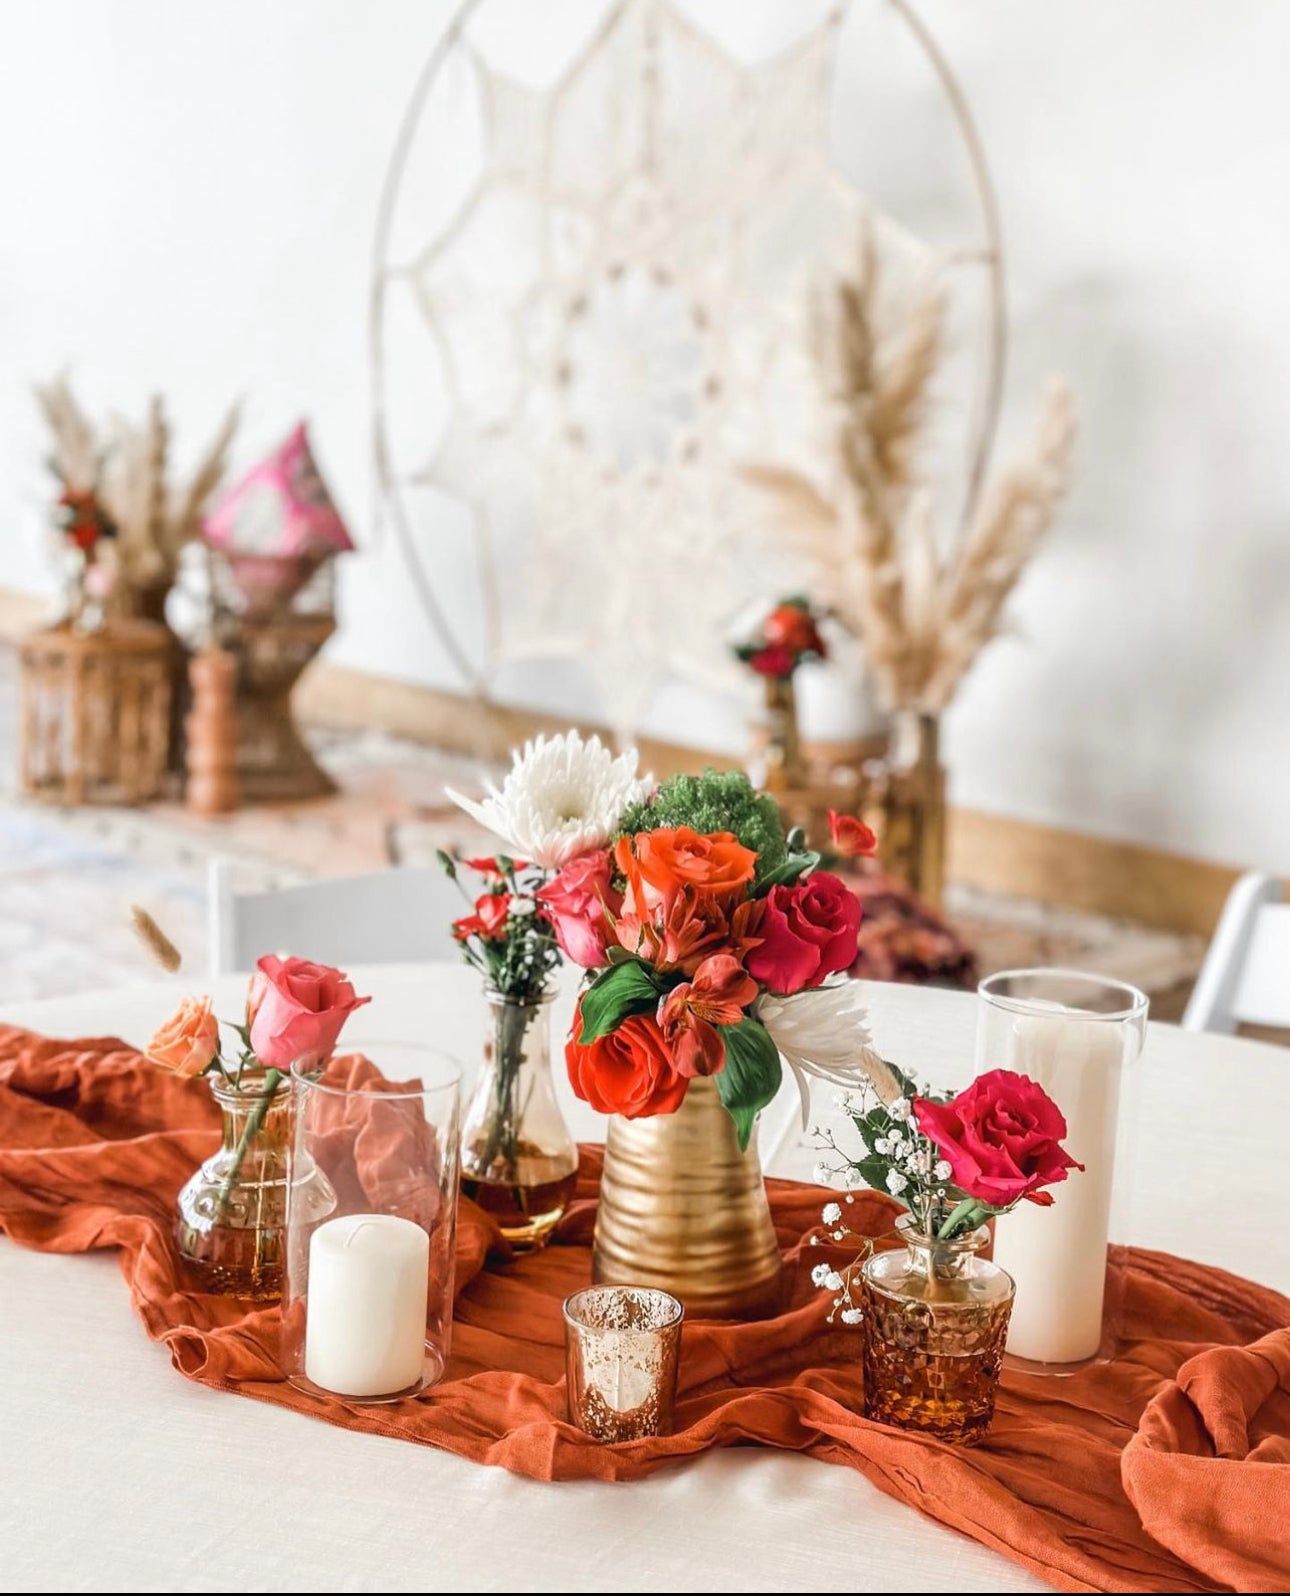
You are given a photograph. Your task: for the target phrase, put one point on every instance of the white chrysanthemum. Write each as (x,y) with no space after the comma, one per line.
(561,797)
(825,1033)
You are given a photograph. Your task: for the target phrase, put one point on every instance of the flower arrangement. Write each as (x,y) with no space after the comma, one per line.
(118,508)
(295,1011)
(953,1161)
(788,635)
(507,935)
(708,934)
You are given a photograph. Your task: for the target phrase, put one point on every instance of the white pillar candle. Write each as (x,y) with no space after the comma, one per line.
(1057,1255)
(365,1312)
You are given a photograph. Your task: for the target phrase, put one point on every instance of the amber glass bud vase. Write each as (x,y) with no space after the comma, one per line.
(935,1318)
(518,1159)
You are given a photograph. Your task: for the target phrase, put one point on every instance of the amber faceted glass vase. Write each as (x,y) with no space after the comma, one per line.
(935,1319)
(519,1161)
(684,1211)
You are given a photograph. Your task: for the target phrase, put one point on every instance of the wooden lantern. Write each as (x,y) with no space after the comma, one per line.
(96,713)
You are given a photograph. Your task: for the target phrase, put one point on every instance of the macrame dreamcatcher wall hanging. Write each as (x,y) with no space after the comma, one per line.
(589,269)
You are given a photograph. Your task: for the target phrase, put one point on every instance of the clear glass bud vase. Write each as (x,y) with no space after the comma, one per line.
(232,1225)
(519,1162)
(935,1319)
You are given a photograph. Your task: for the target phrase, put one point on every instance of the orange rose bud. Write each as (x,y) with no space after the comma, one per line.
(188,1041)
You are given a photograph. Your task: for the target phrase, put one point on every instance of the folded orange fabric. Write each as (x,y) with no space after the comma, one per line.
(1209,1469)
(94,1145)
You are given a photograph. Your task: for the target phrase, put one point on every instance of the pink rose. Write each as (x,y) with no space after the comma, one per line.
(299,1010)
(1001,1138)
(580,901)
(808,933)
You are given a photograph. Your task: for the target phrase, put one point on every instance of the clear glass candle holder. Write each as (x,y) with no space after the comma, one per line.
(1076,1035)
(371,1235)
(622,1352)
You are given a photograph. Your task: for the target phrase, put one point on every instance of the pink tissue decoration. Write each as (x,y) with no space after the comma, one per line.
(280,508)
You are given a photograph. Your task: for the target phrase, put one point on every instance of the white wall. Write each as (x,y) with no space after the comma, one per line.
(187,197)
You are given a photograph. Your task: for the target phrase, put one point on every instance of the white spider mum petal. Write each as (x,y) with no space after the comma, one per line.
(825,1033)
(561,797)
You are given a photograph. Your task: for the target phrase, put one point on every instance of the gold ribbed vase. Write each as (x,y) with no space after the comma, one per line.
(683,1210)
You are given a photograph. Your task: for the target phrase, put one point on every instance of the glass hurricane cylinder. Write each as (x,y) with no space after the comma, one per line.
(371,1224)
(519,1161)
(934,1320)
(1074,1034)
(233,1211)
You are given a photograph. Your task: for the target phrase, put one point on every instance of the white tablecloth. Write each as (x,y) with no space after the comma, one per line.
(117,1474)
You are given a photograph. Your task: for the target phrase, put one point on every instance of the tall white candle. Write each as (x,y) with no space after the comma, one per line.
(1057,1255)
(365,1313)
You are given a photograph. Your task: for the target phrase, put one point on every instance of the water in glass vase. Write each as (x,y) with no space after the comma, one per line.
(518,1160)
(935,1320)
(232,1225)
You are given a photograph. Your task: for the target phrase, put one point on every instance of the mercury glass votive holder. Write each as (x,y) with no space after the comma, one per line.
(622,1353)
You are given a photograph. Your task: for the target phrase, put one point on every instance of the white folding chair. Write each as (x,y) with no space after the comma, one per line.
(389,917)
(1245,979)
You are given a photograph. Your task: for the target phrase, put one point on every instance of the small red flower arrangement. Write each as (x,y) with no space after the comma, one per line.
(953,1161)
(788,635)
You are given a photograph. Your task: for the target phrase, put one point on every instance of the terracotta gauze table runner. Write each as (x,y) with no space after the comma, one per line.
(1165,1470)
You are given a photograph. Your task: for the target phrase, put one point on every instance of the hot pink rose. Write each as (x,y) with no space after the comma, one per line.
(300,1009)
(808,933)
(580,901)
(1001,1138)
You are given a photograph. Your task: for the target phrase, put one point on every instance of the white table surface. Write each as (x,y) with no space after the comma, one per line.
(118,1474)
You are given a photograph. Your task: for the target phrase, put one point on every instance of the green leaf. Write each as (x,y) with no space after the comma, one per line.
(787,872)
(616,993)
(873,1171)
(751,1076)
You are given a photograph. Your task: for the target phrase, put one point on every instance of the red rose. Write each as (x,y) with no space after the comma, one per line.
(776,659)
(300,1009)
(1001,1138)
(690,1013)
(808,933)
(628,1072)
(580,901)
(792,626)
(851,837)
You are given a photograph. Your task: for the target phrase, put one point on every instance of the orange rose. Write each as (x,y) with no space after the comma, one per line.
(628,1072)
(188,1041)
(658,864)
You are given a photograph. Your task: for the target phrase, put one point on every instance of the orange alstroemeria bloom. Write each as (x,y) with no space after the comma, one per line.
(679,934)
(691,1012)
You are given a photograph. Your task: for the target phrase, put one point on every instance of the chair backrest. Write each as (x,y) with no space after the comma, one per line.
(1245,979)
(389,917)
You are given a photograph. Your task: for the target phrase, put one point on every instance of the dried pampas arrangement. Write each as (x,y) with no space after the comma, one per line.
(125,468)
(869,531)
